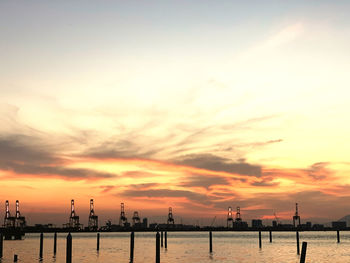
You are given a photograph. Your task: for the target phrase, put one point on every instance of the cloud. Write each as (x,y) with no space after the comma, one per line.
(264,182)
(216,163)
(319,171)
(68,173)
(26,155)
(118,149)
(24,149)
(204,181)
(167,193)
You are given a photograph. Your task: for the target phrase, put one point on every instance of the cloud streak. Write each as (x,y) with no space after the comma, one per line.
(216,163)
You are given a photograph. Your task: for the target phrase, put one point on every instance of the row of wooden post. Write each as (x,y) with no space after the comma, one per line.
(159,242)
(161,239)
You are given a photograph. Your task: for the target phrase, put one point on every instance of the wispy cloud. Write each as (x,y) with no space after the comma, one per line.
(286,35)
(216,163)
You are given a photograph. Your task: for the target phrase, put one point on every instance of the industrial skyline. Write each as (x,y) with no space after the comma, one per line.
(196,105)
(233,219)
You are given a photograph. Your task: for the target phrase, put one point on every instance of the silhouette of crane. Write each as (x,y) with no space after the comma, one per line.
(122,219)
(20,221)
(9,221)
(229,217)
(93,219)
(170,216)
(74,218)
(238,215)
(296,217)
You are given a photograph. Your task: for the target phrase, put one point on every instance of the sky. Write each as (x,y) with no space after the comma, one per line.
(194,105)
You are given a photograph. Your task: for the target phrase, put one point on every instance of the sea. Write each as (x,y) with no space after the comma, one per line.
(186,247)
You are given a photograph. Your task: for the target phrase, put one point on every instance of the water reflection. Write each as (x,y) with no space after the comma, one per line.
(184,247)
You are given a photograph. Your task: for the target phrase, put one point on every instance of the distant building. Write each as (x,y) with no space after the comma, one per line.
(317,227)
(274,223)
(153,226)
(257,223)
(338,224)
(240,225)
(145,222)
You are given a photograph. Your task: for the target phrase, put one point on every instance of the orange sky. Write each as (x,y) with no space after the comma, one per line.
(199,187)
(194,106)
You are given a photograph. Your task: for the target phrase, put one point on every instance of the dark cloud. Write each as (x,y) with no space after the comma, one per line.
(265,182)
(216,163)
(205,181)
(24,149)
(69,173)
(167,193)
(24,154)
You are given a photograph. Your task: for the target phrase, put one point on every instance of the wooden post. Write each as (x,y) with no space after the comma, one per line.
(1,245)
(55,243)
(210,242)
(270,236)
(132,236)
(161,238)
(303,252)
(69,249)
(15,258)
(157,248)
(259,239)
(41,245)
(298,245)
(166,240)
(98,242)
(338,236)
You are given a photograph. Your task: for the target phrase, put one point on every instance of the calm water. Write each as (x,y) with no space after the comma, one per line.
(184,247)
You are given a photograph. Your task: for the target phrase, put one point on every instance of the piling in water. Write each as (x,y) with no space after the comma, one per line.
(157,248)
(338,236)
(55,243)
(298,245)
(161,238)
(210,242)
(69,249)
(270,236)
(132,237)
(1,245)
(166,239)
(259,239)
(303,252)
(15,258)
(41,245)
(98,242)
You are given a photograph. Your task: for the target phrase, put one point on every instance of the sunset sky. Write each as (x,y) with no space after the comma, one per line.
(196,105)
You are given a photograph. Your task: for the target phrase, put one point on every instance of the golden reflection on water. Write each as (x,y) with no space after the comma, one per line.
(184,247)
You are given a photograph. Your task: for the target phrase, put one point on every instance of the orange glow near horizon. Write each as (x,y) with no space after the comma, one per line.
(149,186)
